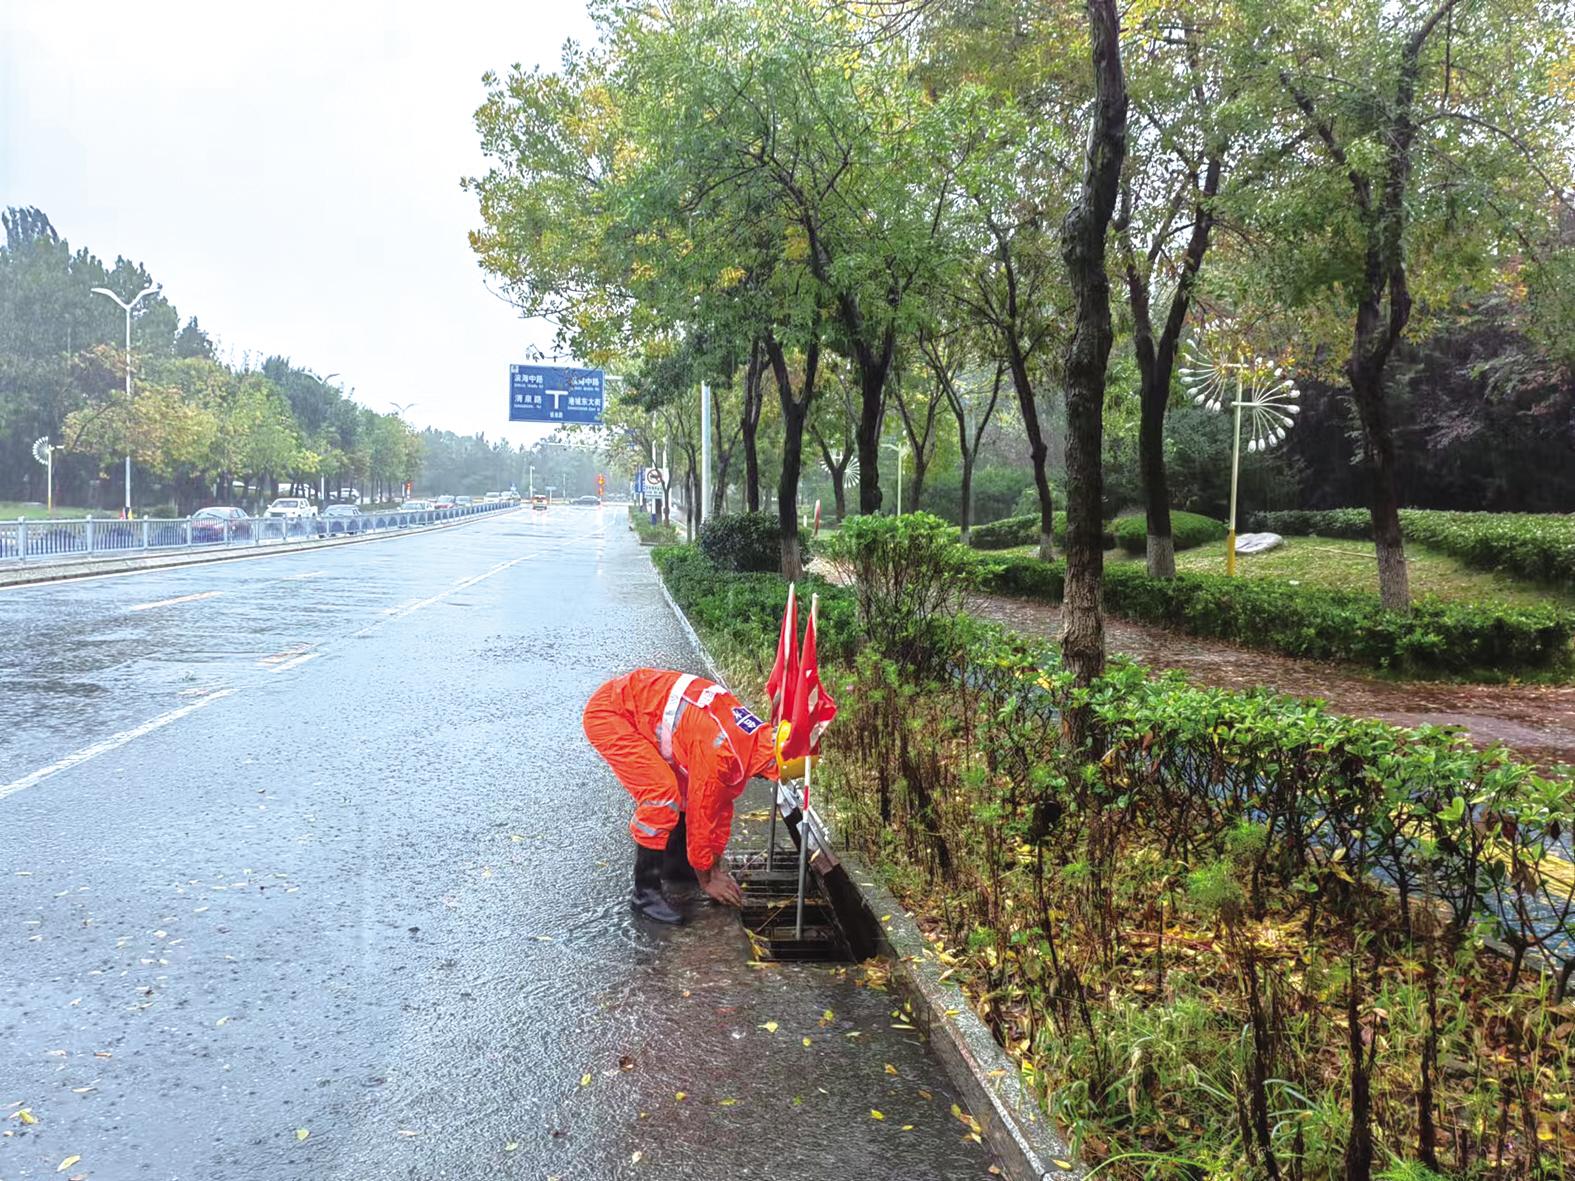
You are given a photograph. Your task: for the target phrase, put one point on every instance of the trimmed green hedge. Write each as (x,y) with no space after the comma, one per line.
(747,542)
(1538,546)
(1014,531)
(744,607)
(1435,639)
(1188,530)
(1009,532)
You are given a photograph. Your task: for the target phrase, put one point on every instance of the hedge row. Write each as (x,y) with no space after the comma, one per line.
(742,607)
(665,533)
(1188,530)
(1435,639)
(1538,546)
(1009,532)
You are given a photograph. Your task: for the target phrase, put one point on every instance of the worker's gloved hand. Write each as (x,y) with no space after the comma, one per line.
(720,886)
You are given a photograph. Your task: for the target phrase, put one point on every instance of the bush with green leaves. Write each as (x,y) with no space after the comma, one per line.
(749,543)
(661,533)
(1140,921)
(1009,532)
(1538,546)
(1188,530)
(740,608)
(910,575)
(1435,639)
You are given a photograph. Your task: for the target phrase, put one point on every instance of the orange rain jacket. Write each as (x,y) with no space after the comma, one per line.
(681,745)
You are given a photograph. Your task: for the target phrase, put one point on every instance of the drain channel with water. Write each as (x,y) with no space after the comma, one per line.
(835,930)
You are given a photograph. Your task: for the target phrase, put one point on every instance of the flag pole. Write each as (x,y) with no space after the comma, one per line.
(771,841)
(803,816)
(803,852)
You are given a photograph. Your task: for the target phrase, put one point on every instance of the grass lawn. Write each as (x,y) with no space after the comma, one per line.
(1352,566)
(10,510)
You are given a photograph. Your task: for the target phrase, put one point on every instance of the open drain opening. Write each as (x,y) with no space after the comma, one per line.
(835,930)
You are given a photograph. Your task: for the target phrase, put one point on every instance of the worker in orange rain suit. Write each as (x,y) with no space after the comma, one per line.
(685,748)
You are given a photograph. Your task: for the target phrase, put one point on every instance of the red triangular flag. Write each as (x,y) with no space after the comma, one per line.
(813,707)
(784,673)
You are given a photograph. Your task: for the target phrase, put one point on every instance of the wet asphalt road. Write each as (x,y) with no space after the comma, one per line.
(313,843)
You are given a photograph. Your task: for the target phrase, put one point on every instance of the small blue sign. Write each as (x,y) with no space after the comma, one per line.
(746,721)
(639,481)
(555,393)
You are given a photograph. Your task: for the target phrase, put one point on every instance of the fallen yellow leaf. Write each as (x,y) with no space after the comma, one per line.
(26,1116)
(585,1080)
(67,1163)
(770,1027)
(511,1146)
(876,1114)
(907,1127)
(634,1158)
(302,1133)
(728,1102)
(681,1096)
(806,1043)
(828,1015)
(890,1069)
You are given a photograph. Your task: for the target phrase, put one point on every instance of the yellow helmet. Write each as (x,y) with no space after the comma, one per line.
(794,768)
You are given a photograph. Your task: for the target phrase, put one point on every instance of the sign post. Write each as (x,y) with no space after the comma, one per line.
(555,393)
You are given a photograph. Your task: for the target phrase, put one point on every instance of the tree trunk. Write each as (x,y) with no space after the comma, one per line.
(1038,452)
(966,515)
(872,387)
(1083,250)
(838,472)
(1394,583)
(750,424)
(795,411)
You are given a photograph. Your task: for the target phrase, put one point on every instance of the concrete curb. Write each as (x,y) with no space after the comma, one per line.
(1014,1127)
(46,571)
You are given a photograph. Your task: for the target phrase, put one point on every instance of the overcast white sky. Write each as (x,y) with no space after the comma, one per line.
(289,171)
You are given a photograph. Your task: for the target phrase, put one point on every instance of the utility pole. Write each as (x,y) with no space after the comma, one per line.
(705,450)
(150,289)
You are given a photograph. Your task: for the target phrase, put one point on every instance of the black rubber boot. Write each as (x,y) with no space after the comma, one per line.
(675,861)
(648,899)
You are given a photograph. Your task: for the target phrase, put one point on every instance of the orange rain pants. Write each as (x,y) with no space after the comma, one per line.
(680,745)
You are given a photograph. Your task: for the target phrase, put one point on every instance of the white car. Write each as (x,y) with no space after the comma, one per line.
(416,506)
(291,508)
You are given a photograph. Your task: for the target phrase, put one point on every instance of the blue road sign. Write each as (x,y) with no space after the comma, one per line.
(554,393)
(639,481)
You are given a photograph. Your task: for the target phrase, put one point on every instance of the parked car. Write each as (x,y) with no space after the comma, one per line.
(416,506)
(340,519)
(208,524)
(462,501)
(291,508)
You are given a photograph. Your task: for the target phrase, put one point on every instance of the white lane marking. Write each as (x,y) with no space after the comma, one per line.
(302,577)
(172,602)
(411,608)
(299,660)
(112,743)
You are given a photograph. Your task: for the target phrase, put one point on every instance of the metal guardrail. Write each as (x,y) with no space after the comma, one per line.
(29,541)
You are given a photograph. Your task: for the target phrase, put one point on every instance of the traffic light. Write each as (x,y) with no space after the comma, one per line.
(601,485)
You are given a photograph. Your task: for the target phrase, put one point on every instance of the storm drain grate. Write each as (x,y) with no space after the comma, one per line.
(771,910)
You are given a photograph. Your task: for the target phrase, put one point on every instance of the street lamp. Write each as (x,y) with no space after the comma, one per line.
(900,449)
(1261,389)
(150,289)
(532,496)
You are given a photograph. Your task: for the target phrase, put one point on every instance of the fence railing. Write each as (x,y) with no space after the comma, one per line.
(28,541)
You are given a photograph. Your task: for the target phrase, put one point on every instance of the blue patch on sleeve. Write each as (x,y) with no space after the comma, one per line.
(746,721)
